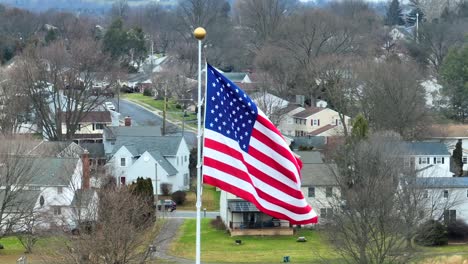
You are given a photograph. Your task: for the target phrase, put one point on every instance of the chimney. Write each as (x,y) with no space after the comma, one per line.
(86,169)
(128,121)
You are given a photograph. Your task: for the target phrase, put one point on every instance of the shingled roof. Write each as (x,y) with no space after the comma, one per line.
(166,145)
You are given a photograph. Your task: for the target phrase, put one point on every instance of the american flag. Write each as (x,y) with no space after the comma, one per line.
(245,154)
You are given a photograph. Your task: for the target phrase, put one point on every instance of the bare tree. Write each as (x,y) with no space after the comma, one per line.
(390,102)
(262,17)
(16,173)
(366,227)
(59,82)
(121,229)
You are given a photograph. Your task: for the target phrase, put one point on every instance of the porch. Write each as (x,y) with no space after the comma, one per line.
(246,219)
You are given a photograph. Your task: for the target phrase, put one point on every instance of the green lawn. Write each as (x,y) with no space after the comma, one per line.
(14,250)
(254,249)
(174,112)
(210,199)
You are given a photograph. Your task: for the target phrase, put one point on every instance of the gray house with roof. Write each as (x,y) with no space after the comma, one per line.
(163,159)
(429,159)
(50,194)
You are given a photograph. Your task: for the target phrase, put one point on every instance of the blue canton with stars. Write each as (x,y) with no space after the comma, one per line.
(229,110)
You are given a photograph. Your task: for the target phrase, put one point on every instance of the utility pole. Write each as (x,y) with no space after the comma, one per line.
(417,27)
(164,111)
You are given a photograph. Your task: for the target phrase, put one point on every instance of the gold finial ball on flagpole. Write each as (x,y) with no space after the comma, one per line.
(199,33)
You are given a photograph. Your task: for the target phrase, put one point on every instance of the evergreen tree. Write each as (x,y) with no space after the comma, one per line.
(457,157)
(360,128)
(454,75)
(411,18)
(394,16)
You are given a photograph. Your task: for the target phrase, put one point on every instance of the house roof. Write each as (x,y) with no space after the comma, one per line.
(97,117)
(166,165)
(308,112)
(443,182)
(290,107)
(448,131)
(83,197)
(310,157)
(315,174)
(112,132)
(235,76)
(94,117)
(426,148)
(56,148)
(52,171)
(166,145)
(96,150)
(242,206)
(321,130)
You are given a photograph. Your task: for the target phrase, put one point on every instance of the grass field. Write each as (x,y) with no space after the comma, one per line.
(173,111)
(14,250)
(210,199)
(217,246)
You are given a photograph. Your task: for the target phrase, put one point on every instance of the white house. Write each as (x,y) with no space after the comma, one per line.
(319,184)
(164,159)
(429,159)
(317,121)
(449,134)
(57,194)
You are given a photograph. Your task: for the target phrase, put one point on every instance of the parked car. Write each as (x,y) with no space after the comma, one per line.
(109,105)
(169,205)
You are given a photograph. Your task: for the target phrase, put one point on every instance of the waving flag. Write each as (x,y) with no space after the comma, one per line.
(245,154)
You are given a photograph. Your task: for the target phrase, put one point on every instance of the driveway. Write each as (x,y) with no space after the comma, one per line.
(164,239)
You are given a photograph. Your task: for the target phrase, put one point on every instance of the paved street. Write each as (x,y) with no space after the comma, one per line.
(144,117)
(187,214)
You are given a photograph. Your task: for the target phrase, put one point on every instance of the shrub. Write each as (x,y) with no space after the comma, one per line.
(218,223)
(147,92)
(457,230)
(179,197)
(431,233)
(305,148)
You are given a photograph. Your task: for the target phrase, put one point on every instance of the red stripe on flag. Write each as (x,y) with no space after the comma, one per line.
(268,179)
(238,173)
(274,145)
(249,197)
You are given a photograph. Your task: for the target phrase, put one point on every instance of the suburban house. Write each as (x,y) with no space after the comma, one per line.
(243,218)
(91,125)
(428,159)
(319,184)
(57,194)
(164,159)
(449,135)
(315,121)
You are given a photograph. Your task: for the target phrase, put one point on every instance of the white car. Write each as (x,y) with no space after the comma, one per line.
(109,105)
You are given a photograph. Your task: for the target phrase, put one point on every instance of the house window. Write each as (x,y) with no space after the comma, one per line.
(337,122)
(186,179)
(464,159)
(438,160)
(450,216)
(99,126)
(122,180)
(57,210)
(326,213)
(122,162)
(311,191)
(424,160)
(59,189)
(446,193)
(185,158)
(315,122)
(78,127)
(328,192)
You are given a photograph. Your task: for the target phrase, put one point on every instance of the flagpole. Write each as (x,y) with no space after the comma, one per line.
(199,33)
